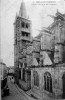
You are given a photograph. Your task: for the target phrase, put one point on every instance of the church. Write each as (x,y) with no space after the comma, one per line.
(39,62)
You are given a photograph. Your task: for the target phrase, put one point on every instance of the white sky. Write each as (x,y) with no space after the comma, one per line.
(39,18)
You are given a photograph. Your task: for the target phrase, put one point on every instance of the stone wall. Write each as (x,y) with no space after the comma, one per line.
(56,74)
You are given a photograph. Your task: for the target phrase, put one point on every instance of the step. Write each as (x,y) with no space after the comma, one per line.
(29,92)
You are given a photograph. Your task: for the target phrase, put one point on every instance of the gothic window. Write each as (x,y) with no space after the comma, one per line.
(48,82)
(36,78)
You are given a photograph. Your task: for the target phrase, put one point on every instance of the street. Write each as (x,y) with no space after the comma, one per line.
(16,93)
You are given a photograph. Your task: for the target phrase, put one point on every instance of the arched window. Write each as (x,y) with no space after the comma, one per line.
(27,25)
(36,78)
(23,24)
(48,82)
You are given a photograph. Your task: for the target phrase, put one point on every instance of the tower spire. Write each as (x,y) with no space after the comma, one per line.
(22,11)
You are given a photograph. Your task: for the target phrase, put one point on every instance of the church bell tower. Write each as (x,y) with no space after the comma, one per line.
(22,36)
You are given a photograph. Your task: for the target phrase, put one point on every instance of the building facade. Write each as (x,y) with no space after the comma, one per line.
(39,62)
(51,75)
(3,77)
(3,70)
(22,43)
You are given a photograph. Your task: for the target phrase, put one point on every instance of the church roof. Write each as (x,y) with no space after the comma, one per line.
(56,17)
(22,12)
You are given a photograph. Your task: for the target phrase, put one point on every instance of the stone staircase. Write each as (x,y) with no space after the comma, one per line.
(34,95)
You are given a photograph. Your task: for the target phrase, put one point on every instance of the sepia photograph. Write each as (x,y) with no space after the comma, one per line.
(32,49)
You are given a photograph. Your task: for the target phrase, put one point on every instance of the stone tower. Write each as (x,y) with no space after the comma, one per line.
(22,37)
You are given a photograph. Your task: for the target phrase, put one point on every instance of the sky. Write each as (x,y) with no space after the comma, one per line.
(38,12)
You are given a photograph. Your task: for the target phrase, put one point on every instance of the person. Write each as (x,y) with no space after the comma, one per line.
(12,79)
